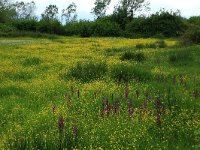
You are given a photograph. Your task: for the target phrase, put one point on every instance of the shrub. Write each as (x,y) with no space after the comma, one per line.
(51,27)
(26,24)
(168,24)
(106,28)
(87,71)
(5,28)
(82,28)
(125,72)
(139,57)
(195,20)
(192,35)
(182,57)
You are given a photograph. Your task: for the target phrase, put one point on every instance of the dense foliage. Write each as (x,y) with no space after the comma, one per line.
(122,22)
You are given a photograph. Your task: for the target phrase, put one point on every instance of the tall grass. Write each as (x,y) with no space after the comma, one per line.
(139,57)
(125,73)
(87,71)
(182,57)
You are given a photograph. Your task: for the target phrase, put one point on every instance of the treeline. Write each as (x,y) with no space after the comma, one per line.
(19,17)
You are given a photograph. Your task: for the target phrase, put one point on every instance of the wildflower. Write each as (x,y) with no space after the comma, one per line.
(158,105)
(107,108)
(54,108)
(116,107)
(141,108)
(61,123)
(148,97)
(130,110)
(158,119)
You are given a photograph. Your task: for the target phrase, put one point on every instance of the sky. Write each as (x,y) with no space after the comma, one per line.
(187,7)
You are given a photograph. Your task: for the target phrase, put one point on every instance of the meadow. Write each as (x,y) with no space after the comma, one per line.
(99,93)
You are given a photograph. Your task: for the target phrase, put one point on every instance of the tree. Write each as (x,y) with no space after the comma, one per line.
(127,9)
(131,7)
(7,11)
(25,10)
(50,13)
(100,7)
(69,14)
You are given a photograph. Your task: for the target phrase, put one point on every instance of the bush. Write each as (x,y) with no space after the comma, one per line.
(50,27)
(106,28)
(191,36)
(195,20)
(5,28)
(125,73)
(182,57)
(139,57)
(168,24)
(26,24)
(87,71)
(82,28)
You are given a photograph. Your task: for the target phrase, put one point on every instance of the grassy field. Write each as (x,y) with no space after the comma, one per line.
(99,93)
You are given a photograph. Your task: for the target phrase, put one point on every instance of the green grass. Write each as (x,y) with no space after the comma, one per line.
(139,57)
(105,102)
(31,61)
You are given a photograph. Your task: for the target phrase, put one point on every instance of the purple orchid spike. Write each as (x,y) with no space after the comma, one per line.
(130,110)
(61,123)
(54,108)
(141,108)
(116,107)
(107,108)
(158,119)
